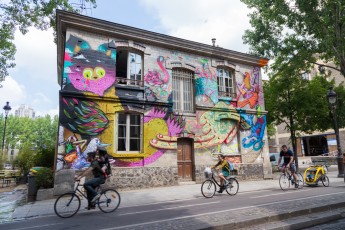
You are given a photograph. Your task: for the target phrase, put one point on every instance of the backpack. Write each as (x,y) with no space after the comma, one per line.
(231,166)
(107,163)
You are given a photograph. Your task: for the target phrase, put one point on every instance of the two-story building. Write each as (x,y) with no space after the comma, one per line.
(164,106)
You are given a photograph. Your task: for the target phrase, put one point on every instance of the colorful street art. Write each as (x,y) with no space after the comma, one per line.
(158,85)
(249,89)
(257,131)
(216,128)
(88,119)
(206,85)
(86,69)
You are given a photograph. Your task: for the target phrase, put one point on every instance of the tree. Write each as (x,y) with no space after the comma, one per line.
(298,33)
(299,104)
(23,14)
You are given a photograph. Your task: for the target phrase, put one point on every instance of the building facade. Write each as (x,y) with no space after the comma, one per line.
(163,106)
(25,111)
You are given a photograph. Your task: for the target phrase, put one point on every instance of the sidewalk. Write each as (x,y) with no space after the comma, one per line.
(153,195)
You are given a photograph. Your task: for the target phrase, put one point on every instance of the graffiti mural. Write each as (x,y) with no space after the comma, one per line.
(156,120)
(158,85)
(255,138)
(88,119)
(249,89)
(206,85)
(86,69)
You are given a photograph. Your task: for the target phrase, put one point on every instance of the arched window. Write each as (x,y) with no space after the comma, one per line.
(226,83)
(183,90)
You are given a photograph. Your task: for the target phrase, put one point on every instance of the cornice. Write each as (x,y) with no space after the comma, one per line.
(71,20)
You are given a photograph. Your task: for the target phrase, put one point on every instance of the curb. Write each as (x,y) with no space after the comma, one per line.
(244,224)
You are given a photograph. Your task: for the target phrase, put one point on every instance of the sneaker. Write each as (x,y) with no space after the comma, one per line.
(296,185)
(220,190)
(95,198)
(90,207)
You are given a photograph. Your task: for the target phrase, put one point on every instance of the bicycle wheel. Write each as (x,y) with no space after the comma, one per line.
(284,182)
(67,205)
(325,181)
(109,200)
(208,188)
(300,180)
(232,187)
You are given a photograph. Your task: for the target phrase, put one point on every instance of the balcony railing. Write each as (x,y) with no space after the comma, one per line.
(227,94)
(126,81)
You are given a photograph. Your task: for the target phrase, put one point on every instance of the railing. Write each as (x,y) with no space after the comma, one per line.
(126,81)
(227,94)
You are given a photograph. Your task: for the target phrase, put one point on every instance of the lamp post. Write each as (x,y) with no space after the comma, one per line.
(7,109)
(332,100)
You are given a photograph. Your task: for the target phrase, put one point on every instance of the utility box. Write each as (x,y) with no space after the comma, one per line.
(32,188)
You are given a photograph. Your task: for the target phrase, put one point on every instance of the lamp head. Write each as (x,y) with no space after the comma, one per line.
(331,96)
(7,108)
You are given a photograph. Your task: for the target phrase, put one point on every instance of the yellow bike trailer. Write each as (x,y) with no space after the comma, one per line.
(316,173)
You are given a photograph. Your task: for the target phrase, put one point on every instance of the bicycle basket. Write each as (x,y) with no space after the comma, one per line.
(208,173)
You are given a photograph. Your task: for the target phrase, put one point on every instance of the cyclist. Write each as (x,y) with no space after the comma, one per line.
(287,155)
(91,184)
(224,166)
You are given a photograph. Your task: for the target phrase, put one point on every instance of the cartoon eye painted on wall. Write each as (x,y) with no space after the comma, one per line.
(100,72)
(87,73)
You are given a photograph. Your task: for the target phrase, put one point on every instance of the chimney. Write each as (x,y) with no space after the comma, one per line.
(213,41)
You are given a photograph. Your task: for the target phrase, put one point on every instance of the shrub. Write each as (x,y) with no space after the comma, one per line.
(45,178)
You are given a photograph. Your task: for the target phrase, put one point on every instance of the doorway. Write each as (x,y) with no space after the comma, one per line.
(185,159)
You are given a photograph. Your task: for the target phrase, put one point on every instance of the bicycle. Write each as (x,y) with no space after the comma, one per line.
(286,179)
(68,204)
(208,187)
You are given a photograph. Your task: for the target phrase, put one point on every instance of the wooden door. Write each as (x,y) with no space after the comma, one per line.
(185,158)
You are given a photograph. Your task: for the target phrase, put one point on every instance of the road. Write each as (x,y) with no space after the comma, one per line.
(192,213)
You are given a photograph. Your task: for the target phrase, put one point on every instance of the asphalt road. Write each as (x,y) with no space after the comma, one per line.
(166,214)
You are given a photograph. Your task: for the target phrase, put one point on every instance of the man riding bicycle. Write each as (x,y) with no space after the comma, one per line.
(287,155)
(91,184)
(224,166)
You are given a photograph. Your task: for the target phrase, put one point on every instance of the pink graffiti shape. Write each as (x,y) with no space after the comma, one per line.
(95,86)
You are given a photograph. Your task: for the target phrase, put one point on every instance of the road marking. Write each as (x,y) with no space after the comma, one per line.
(227,210)
(281,193)
(160,209)
(160,202)
(38,226)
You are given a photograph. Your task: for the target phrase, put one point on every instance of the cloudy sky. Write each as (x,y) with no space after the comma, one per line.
(33,81)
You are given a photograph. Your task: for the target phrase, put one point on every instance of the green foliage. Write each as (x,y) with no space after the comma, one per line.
(35,139)
(45,178)
(297,33)
(23,14)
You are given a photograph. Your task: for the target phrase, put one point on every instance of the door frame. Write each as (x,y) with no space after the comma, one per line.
(191,142)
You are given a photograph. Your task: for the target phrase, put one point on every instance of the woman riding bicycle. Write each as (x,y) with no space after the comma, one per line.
(224,166)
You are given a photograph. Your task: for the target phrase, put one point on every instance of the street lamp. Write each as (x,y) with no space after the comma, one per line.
(7,109)
(332,100)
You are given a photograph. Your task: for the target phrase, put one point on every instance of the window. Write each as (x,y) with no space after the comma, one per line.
(129,68)
(183,93)
(129,132)
(226,85)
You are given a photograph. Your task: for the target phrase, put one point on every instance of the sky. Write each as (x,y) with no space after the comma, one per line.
(33,81)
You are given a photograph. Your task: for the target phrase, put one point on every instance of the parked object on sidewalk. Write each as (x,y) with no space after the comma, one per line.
(316,173)
(68,204)
(208,187)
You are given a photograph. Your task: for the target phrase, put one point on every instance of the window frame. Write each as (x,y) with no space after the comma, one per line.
(128,133)
(183,82)
(127,80)
(223,89)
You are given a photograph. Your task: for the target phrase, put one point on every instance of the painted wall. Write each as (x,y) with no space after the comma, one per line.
(90,99)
